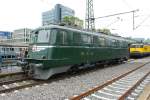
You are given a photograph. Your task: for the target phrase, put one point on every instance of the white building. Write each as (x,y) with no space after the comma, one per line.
(22,35)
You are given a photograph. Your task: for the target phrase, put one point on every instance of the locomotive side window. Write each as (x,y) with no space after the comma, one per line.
(118,43)
(86,39)
(121,44)
(53,36)
(125,44)
(95,40)
(76,38)
(102,41)
(113,43)
(62,37)
(108,42)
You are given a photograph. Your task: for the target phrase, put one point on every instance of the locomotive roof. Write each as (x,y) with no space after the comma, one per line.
(137,44)
(141,44)
(83,31)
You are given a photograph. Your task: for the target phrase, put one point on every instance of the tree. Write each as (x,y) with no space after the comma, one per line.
(147,41)
(73,21)
(105,31)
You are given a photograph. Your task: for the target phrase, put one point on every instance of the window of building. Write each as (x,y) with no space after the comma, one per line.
(3,49)
(13,56)
(9,56)
(12,49)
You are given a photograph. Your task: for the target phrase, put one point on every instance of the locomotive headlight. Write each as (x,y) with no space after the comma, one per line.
(34,48)
(43,57)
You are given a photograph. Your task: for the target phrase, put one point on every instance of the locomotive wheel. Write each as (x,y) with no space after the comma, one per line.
(73,69)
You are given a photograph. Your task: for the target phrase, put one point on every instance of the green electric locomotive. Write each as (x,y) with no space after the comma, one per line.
(57,49)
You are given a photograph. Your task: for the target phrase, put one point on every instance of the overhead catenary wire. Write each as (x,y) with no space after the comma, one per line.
(118,19)
(111,15)
(143,21)
(117,14)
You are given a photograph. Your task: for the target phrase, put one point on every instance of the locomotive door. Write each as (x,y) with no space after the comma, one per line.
(86,40)
(87,55)
(89,52)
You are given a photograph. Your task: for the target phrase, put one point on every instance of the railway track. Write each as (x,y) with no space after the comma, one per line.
(127,86)
(14,81)
(11,74)
(9,86)
(24,82)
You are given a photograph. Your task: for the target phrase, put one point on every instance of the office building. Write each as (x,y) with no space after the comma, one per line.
(5,35)
(56,15)
(22,35)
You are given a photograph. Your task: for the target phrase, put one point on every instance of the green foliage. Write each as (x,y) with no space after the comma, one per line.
(147,41)
(105,31)
(73,21)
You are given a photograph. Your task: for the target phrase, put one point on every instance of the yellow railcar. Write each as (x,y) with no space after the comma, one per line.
(139,50)
(147,49)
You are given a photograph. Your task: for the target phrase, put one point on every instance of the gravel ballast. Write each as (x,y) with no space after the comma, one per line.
(74,85)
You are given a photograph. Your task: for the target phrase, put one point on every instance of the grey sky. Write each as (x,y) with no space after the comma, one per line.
(27,13)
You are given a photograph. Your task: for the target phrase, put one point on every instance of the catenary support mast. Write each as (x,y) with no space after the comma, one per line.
(89,20)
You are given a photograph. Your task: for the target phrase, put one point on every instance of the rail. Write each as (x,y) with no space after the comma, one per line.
(24,84)
(11,74)
(98,88)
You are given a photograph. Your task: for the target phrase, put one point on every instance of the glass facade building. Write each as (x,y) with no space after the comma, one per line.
(56,15)
(5,35)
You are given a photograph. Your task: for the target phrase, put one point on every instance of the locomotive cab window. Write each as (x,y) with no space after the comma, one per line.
(43,36)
